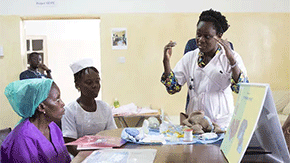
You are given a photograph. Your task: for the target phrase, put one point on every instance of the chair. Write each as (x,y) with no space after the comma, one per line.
(286,131)
(3,134)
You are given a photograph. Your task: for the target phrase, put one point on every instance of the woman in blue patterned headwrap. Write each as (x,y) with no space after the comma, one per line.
(36,138)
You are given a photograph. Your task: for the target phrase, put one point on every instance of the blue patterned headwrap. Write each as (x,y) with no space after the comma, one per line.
(25,95)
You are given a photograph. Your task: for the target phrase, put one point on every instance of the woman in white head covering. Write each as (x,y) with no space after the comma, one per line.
(86,115)
(36,138)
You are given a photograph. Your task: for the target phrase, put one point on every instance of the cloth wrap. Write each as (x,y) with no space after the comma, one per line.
(25,95)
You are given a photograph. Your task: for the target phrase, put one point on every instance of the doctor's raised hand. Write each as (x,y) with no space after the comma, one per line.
(230,55)
(167,56)
(212,71)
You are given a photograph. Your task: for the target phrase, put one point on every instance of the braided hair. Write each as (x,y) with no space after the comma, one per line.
(219,21)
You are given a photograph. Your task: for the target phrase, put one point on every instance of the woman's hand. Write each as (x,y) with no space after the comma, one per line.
(227,47)
(167,56)
(168,50)
(229,53)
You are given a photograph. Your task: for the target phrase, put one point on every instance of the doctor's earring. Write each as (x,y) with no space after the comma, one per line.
(78,88)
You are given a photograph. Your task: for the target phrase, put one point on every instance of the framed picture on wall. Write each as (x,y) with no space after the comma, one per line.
(119,38)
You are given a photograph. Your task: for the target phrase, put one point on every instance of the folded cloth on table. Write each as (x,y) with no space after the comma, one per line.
(132,134)
(125,109)
(136,135)
(131,109)
(199,139)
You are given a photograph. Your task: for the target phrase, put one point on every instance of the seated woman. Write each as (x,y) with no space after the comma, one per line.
(36,138)
(86,115)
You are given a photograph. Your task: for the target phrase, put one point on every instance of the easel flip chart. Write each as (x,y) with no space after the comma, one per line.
(255,123)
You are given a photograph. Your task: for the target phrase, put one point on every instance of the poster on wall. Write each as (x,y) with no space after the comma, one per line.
(119,38)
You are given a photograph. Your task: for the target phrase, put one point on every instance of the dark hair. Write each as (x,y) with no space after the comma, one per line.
(79,75)
(31,54)
(219,21)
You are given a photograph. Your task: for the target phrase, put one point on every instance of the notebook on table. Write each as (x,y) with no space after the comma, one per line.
(97,142)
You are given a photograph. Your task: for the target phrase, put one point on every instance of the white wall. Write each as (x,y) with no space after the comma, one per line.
(29,7)
(68,41)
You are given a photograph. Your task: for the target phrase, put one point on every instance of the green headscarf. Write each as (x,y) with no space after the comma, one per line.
(25,95)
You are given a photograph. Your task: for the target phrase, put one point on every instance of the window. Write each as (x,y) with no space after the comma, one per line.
(37,44)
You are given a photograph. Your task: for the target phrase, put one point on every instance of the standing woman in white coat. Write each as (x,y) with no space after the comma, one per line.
(211,72)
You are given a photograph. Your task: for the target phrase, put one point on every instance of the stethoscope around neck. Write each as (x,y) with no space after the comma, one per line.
(191,83)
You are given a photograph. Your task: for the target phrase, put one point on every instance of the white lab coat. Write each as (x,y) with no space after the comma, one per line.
(211,90)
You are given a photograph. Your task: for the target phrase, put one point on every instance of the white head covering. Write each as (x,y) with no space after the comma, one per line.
(81,64)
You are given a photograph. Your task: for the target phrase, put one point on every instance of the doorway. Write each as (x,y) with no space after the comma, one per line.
(66,41)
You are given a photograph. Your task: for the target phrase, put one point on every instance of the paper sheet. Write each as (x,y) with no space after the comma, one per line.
(122,156)
(132,109)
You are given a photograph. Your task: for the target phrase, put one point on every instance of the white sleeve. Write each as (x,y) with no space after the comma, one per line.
(111,122)
(240,63)
(180,70)
(68,123)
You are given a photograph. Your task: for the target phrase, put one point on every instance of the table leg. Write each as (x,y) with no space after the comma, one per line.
(139,121)
(122,120)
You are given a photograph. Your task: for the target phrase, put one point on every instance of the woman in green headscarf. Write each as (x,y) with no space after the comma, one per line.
(36,138)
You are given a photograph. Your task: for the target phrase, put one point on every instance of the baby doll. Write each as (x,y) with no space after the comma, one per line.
(199,122)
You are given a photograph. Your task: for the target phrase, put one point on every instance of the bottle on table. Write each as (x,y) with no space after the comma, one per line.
(116,103)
